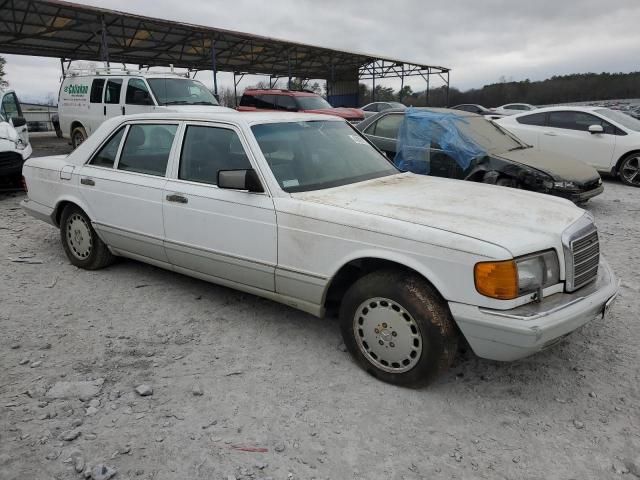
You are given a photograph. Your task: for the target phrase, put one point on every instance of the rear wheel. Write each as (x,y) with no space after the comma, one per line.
(78,136)
(397,327)
(80,241)
(629,170)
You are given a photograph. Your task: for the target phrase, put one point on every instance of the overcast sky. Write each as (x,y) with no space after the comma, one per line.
(481,41)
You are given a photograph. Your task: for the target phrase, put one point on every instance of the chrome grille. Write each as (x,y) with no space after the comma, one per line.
(582,267)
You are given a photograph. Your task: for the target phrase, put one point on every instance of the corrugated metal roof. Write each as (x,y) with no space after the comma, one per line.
(52,28)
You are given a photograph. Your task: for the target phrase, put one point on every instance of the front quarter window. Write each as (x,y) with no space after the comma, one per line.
(314,155)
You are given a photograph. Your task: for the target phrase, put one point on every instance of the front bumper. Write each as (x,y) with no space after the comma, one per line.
(12,160)
(513,334)
(578,196)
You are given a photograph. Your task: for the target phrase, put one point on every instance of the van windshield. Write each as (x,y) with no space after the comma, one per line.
(180,91)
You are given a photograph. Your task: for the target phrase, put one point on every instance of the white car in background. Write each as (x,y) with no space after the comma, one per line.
(608,140)
(302,209)
(14,137)
(514,108)
(377,107)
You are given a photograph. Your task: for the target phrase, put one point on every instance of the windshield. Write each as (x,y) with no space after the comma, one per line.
(313,155)
(180,91)
(397,105)
(622,118)
(488,135)
(312,103)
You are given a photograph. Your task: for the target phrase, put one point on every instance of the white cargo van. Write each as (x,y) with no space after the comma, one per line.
(14,137)
(89,97)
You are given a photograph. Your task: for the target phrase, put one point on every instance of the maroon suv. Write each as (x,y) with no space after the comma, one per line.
(294,101)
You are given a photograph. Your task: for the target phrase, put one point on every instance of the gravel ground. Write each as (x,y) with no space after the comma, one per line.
(237,387)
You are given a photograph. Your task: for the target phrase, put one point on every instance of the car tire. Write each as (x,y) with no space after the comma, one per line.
(629,171)
(78,136)
(398,328)
(80,241)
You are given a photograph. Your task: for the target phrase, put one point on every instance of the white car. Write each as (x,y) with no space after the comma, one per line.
(608,140)
(14,137)
(302,209)
(89,97)
(513,108)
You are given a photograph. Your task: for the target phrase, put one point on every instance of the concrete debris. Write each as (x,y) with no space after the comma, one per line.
(80,390)
(144,390)
(102,472)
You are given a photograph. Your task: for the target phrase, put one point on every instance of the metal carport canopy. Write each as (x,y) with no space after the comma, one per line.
(51,28)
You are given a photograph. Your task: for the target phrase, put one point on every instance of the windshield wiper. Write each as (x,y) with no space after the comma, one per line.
(177,102)
(203,103)
(519,147)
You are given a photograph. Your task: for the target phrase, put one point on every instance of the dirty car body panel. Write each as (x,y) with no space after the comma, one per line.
(290,239)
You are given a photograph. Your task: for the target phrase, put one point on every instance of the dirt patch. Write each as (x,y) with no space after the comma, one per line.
(246,388)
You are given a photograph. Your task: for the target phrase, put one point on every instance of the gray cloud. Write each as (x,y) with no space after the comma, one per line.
(480,40)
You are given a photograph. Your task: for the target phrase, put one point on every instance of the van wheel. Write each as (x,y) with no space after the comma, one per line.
(78,135)
(80,241)
(398,328)
(630,170)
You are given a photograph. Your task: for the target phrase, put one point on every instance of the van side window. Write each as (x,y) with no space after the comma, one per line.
(146,148)
(112,94)
(207,150)
(138,93)
(96,90)
(106,156)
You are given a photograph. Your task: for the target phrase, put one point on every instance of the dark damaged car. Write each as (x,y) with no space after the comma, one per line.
(462,145)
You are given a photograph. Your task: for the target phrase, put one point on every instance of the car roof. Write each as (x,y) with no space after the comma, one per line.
(238,118)
(575,108)
(279,91)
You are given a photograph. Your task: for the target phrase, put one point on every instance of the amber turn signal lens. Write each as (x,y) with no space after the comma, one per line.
(497,279)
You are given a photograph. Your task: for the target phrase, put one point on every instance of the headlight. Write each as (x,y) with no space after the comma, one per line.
(20,145)
(513,278)
(565,185)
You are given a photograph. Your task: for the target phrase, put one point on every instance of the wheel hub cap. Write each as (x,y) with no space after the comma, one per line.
(79,237)
(631,170)
(387,335)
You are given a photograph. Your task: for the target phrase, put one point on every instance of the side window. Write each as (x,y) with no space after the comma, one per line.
(369,108)
(96,90)
(285,102)
(207,150)
(573,120)
(538,119)
(112,93)
(387,126)
(146,149)
(383,106)
(106,156)
(266,102)
(137,93)
(11,106)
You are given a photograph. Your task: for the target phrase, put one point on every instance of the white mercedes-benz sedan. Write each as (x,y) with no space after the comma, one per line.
(302,209)
(608,140)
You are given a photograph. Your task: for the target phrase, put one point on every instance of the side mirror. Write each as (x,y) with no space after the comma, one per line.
(240,180)
(18,122)
(595,129)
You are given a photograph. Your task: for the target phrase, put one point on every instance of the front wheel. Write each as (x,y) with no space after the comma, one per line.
(398,328)
(630,170)
(80,241)
(78,136)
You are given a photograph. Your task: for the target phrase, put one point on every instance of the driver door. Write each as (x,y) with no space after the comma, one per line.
(12,111)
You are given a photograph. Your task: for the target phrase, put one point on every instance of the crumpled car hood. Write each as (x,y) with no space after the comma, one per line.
(519,221)
(560,167)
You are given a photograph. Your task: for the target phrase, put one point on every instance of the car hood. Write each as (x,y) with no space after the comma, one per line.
(348,113)
(519,221)
(560,167)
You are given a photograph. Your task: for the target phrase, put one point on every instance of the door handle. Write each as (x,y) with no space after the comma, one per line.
(104,109)
(174,197)
(551,134)
(87,181)
(123,109)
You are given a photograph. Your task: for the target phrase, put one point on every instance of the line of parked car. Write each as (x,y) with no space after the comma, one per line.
(331,217)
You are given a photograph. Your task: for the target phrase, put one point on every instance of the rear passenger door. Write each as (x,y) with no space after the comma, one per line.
(113,94)
(96,106)
(123,184)
(226,234)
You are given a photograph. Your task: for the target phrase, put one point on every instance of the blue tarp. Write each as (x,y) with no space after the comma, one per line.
(424,130)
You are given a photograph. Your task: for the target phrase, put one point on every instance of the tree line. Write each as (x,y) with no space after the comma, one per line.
(579,87)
